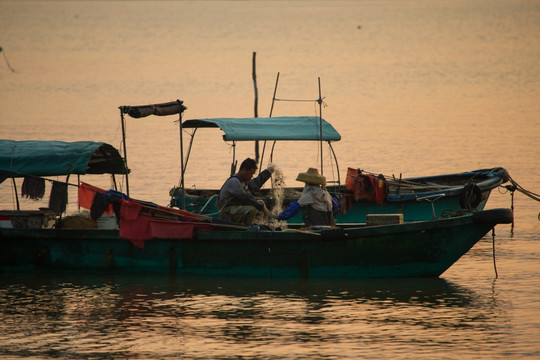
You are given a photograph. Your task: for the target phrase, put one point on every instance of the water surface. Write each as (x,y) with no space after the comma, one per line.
(414,87)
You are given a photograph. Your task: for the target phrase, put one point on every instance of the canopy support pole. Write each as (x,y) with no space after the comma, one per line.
(181,156)
(234,162)
(336,160)
(125,149)
(16,195)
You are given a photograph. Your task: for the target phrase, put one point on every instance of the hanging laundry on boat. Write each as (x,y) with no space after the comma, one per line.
(33,187)
(59,197)
(105,203)
(366,186)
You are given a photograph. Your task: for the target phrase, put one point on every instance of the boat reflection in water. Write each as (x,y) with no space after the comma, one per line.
(163,317)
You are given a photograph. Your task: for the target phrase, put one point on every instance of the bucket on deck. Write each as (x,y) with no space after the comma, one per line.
(107,222)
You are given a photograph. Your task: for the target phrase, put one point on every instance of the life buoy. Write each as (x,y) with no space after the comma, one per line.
(470,197)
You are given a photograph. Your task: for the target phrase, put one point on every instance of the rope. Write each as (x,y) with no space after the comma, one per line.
(493,242)
(449,213)
(519,188)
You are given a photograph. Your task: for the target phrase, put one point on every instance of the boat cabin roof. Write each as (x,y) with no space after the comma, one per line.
(274,128)
(55,158)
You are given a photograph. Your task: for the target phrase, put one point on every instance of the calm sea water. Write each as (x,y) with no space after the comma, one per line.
(415,88)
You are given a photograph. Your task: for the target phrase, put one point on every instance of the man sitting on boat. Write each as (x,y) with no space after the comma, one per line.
(236,202)
(316,200)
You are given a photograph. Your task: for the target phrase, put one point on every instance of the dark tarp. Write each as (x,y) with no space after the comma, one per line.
(54,158)
(139,111)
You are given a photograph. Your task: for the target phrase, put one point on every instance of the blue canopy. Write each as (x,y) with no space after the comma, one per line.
(275,128)
(52,158)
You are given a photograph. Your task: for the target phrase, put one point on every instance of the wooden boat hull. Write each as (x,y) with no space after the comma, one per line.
(424,249)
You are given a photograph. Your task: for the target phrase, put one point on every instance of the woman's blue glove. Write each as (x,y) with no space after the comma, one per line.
(290,211)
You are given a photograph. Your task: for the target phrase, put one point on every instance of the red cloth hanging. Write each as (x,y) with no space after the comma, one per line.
(366,186)
(86,194)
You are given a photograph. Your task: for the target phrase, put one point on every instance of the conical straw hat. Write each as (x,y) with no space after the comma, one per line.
(312,176)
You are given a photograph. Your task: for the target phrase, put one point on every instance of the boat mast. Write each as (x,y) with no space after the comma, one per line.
(271,109)
(319,100)
(256,105)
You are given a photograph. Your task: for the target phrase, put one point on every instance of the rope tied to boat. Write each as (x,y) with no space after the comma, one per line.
(516,187)
(493,246)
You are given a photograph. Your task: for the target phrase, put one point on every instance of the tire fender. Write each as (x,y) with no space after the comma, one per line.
(494,216)
(470,197)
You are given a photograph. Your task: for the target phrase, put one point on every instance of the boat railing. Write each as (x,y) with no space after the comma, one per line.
(207,204)
(431,199)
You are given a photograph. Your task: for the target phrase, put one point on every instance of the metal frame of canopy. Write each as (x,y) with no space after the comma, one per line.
(139,111)
(286,128)
(289,128)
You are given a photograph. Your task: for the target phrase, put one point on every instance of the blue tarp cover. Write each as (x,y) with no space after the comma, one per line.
(275,128)
(51,158)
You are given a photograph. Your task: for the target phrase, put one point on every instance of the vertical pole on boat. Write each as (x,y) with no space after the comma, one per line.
(234,161)
(79,186)
(181,154)
(272,109)
(16,195)
(256,105)
(274,97)
(125,149)
(319,100)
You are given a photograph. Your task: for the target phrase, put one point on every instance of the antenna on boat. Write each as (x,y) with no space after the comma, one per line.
(319,101)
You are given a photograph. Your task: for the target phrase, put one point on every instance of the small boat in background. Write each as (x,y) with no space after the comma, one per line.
(363,193)
(419,198)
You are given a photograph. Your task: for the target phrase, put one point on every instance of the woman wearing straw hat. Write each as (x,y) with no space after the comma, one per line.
(315,199)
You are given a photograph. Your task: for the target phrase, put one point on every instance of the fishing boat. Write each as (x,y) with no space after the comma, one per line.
(362,193)
(155,239)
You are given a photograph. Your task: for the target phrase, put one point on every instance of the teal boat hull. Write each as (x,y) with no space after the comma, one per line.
(414,249)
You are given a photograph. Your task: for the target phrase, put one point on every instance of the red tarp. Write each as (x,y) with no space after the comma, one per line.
(139,227)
